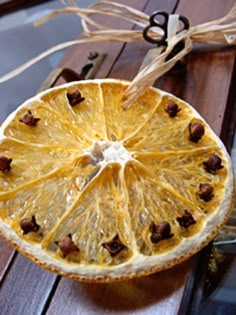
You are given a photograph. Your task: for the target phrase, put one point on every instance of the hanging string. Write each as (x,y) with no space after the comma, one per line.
(221,31)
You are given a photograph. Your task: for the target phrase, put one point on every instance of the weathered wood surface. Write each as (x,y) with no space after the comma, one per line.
(205,83)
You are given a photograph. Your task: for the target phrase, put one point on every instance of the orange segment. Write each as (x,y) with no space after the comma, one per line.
(184,172)
(121,123)
(153,201)
(102,210)
(51,128)
(58,103)
(30,162)
(87,115)
(40,198)
(48,194)
(161,132)
(90,112)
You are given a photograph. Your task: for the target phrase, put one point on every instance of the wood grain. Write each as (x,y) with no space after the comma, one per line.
(6,255)
(130,59)
(75,59)
(156,294)
(23,298)
(205,83)
(25,288)
(102,299)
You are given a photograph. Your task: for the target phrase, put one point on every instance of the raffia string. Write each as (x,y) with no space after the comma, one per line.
(221,31)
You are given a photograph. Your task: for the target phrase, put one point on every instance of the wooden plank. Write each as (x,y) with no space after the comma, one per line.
(75,59)
(102,299)
(137,296)
(229,123)
(134,53)
(24,302)
(209,87)
(141,296)
(206,82)
(25,289)
(6,257)
(76,56)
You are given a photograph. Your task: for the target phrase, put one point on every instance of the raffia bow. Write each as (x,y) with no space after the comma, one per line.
(221,31)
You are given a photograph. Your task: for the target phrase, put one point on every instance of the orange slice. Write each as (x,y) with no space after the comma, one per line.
(97,193)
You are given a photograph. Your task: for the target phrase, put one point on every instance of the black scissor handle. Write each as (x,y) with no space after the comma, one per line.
(153,23)
(185,22)
(153,20)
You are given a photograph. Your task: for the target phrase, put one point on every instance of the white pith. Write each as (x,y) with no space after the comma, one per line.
(111,151)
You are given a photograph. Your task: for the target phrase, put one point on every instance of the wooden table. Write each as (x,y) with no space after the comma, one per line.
(206,83)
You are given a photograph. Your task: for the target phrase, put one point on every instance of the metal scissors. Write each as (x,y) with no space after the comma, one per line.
(154,22)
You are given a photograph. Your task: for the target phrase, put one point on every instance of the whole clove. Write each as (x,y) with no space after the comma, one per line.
(29,225)
(67,246)
(114,246)
(196,131)
(213,164)
(186,220)
(172,109)
(205,192)
(5,164)
(29,119)
(160,231)
(75,98)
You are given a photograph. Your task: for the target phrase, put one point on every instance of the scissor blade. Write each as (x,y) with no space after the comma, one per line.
(150,56)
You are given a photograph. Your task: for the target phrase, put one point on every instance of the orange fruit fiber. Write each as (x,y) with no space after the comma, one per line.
(98,193)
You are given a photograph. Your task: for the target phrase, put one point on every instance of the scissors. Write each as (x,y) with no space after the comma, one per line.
(163,26)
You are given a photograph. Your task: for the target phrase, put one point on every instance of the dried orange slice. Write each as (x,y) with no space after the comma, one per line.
(97,193)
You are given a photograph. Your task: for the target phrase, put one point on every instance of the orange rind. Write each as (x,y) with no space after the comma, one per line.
(98,193)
